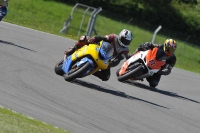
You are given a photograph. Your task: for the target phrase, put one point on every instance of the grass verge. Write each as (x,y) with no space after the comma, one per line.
(12,122)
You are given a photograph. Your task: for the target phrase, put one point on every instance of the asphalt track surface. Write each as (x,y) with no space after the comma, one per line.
(28,85)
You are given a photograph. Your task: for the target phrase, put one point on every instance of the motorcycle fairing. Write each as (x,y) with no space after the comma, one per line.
(148,58)
(88,53)
(151,59)
(84,60)
(67,64)
(135,58)
(91,50)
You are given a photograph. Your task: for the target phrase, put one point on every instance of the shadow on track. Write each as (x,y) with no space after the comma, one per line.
(116,93)
(10,43)
(159,91)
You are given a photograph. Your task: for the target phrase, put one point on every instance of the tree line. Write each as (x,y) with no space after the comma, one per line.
(155,12)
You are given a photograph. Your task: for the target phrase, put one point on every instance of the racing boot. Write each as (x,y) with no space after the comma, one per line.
(104,75)
(153,81)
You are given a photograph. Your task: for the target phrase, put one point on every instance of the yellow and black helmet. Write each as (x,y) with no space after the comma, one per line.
(169,46)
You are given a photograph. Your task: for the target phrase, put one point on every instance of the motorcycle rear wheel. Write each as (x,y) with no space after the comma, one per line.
(138,70)
(58,68)
(77,72)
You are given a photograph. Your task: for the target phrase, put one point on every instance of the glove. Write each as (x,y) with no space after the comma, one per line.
(82,38)
(140,49)
(82,41)
(147,45)
(91,40)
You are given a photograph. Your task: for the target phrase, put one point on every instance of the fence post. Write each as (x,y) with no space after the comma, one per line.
(66,25)
(92,21)
(154,35)
(90,25)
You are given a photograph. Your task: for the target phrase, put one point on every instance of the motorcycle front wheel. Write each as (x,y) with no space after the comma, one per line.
(130,74)
(77,72)
(58,68)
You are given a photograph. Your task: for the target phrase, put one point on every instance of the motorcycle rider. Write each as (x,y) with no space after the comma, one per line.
(169,48)
(3,8)
(119,42)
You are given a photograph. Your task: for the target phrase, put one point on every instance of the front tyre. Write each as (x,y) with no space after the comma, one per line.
(77,72)
(130,74)
(117,72)
(58,68)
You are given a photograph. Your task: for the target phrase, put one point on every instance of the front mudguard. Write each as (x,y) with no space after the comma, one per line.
(133,73)
(84,60)
(67,64)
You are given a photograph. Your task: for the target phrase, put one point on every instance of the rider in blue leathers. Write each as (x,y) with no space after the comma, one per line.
(3,8)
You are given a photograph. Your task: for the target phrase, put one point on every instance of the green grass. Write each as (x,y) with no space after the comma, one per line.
(12,122)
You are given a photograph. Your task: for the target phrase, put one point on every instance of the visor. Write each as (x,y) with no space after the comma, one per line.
(125,41)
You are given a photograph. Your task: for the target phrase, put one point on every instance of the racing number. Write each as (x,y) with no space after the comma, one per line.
(152,62)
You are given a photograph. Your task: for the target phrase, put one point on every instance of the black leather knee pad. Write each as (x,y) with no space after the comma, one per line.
(105,78)
(153,83)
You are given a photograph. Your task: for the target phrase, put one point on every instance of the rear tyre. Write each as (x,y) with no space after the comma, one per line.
(58,68)
(130,74)
(77,72)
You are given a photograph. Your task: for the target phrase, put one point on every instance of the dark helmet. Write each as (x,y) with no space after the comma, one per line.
(106,50)
(125,38)
(169,46)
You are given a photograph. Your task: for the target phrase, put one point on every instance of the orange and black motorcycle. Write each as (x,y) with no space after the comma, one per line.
(142,65)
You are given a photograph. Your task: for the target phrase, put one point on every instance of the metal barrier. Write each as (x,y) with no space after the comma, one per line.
(87,9)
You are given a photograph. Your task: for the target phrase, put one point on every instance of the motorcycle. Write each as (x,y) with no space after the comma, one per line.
(85,61)
(142,64)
